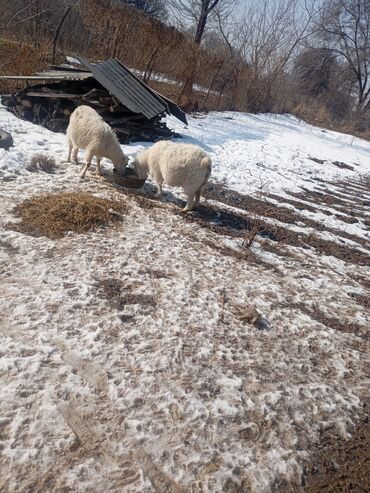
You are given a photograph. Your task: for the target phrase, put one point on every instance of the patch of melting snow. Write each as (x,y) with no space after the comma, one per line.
(206,400)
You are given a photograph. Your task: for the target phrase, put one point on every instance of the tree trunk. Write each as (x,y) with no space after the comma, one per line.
(57,32)
(201,24)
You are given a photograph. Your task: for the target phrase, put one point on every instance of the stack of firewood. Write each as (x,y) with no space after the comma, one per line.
(51,105)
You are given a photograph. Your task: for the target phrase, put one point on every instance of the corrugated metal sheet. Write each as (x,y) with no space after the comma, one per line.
(175,110)
(127,88)
(130,90)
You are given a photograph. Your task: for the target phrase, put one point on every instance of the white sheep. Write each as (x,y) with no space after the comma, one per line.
(87,130)
(177,165)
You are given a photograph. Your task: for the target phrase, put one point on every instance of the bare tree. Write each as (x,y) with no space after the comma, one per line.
(196,14)
(265,39)
(314,70)
(344,30)
(33,20)
(321,85)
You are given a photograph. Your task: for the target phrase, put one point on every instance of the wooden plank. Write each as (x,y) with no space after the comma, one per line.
(54,95)
(28,77)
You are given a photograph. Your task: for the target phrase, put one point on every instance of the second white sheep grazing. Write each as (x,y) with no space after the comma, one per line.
(177,165)
(87,130)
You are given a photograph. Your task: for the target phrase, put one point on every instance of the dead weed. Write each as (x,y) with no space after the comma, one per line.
(54,214)
(41,162)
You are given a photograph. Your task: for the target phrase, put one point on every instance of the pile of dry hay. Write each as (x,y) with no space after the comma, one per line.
(54,214)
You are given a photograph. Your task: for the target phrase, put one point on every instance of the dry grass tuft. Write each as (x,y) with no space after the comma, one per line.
(54,214)
(41,162)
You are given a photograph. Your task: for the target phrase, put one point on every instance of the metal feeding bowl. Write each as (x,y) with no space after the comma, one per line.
(129,179)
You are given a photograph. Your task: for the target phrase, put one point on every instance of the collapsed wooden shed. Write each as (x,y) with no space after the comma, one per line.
(131,107)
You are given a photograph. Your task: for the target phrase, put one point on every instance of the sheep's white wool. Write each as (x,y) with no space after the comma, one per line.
(87,130)
(177,165)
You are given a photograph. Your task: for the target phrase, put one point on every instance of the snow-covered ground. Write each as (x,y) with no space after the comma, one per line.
(178,392)
(273,152)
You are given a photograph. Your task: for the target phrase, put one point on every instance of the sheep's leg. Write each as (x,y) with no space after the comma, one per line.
(189,204)
(69,152)
(87,166)
(197,198)
(75,155)
(88,159)
(159,191)
(98,168)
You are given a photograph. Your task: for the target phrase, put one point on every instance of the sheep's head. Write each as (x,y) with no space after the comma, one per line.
(140,166)
(120,165)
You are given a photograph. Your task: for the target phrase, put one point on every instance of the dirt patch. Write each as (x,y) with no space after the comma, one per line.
(354,187)
(341,165)
(298,205)
(316,197)
(275,233)
(231,224)
(220,193)
(347,201)
(119,295)
(8,247)
(155,273)
(361,299)
(347,219)
(365,282)
(317,160)
(146,203)
(334,323)
(55,214)
(338,465)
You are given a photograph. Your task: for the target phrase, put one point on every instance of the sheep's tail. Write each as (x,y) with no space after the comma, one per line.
(206,163)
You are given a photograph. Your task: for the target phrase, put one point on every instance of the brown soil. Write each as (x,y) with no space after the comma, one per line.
(119,295)
(347,219)
(340,466)
(220,193)
(8,247)
(324,197)
(232,224)
(334,323)
(362,280)
(298,205)
(361,298)
(155,273)
(264,208)
(341,165)
(55,214)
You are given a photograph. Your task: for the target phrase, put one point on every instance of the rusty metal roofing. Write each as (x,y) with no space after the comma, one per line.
(126,87)
(130,90)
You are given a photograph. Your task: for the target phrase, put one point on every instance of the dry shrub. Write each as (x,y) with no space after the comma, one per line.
(41,162)
(154,48)
(18,58)
(54,214)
